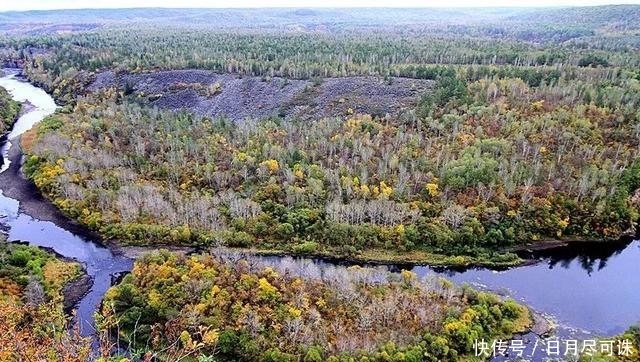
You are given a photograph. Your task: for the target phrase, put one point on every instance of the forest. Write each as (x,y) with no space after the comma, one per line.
(517,142)
(525,131)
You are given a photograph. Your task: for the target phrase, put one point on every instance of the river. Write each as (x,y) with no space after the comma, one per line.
(100,263)
(588,290)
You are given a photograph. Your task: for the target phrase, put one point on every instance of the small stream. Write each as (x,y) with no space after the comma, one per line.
(587,290)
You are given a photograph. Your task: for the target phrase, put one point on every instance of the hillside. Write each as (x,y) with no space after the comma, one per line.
(259,17)
(621,17)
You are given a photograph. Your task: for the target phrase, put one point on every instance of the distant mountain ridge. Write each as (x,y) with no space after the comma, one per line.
(559,24)
(595,15)
(257,17)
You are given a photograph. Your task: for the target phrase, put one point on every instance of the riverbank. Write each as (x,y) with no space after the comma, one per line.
(15,185)
(75,289)
(386,257)
(30,218)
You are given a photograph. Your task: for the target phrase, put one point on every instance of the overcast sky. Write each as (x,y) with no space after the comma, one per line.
(76,4)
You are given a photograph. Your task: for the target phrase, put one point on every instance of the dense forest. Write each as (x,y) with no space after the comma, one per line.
(526,130)
(518,141)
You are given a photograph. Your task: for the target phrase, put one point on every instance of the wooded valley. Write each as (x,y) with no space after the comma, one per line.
(506,129)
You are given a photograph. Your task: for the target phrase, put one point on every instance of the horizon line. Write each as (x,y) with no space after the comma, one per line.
(329,7)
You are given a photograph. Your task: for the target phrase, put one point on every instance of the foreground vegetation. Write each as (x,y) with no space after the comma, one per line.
(231,309)
(34,326)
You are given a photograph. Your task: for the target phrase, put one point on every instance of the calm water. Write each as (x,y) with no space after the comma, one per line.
(589,291)
(598,292)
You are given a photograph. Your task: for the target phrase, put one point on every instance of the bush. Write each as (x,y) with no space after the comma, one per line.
(51,123)
(239,239)
(307,247)
(593,60)
(19,258)
(314,354)
(274,355)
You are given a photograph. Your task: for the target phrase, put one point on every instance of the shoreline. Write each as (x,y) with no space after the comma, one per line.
(15,185)
(74,290)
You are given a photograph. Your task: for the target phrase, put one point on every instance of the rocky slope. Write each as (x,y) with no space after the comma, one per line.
(211,94)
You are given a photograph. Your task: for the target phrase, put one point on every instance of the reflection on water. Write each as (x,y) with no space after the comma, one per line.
(590,256)
(588,290)
(594,289)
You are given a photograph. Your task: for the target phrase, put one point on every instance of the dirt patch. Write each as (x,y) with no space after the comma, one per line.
(226,95)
